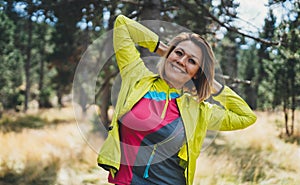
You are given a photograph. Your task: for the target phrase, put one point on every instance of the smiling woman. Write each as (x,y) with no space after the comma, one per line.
(158,127)
(192,58)
(182,64)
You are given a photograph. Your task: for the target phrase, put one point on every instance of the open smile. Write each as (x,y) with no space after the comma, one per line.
(177,69)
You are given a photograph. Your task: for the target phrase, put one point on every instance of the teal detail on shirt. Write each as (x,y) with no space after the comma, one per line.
(160,96)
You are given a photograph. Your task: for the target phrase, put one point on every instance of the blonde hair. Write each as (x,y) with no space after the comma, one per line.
(205,75)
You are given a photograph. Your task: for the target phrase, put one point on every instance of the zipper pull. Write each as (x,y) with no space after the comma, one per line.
(146,172)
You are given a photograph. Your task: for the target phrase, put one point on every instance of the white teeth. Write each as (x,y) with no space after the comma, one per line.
(177,69)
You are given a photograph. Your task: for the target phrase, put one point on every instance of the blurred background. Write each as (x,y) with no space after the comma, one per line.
(255,42)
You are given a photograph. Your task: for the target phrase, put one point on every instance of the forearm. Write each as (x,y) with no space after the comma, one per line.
(127,33)
(138,33)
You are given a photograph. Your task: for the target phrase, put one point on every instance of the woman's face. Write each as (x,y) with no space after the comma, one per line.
(183,63)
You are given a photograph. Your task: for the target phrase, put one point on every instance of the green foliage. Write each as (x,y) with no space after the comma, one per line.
(228,50)
(263,86)
(291,139)
(288,63)
(247,69)
(8,124)
(187,18)
(62,30)
(10,65)
(33,173)
(44,97)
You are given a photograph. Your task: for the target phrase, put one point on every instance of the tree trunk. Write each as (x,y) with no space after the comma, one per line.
(41,80)
(251,96)
(293,94)
(105,94)
(27,64)
(151,10)
(293,121)
(293,108)
(83,100)
(286,117)
(59,95)
(105,100)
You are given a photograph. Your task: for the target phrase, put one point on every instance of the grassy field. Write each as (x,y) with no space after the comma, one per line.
(58,154)
(254,155)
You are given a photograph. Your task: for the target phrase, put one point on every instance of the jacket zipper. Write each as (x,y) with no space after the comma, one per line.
(146,172)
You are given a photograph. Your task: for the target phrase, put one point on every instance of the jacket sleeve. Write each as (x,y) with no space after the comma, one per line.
(126,34)
(233,114)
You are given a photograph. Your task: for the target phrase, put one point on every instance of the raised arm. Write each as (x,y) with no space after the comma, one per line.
(127,33)
(235,113)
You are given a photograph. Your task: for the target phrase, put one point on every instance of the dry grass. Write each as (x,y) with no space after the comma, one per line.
(54,155)
(59,155)
(254,155)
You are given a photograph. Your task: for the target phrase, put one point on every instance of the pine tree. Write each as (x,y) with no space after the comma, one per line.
(262,89)
(10,66)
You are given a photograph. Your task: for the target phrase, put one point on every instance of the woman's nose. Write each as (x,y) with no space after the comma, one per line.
(181,60)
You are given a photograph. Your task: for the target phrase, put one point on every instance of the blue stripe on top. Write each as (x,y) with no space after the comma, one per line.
(160,96)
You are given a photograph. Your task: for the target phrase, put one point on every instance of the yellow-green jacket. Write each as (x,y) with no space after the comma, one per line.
(136,81)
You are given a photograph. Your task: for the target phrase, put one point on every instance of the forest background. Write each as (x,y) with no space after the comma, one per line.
(42,43)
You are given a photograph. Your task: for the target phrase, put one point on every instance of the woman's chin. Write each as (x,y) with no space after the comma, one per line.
(173,82)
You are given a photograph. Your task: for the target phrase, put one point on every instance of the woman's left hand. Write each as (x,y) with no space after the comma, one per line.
(216,87)
(162,49)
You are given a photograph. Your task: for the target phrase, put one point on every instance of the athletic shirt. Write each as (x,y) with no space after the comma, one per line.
(151,135)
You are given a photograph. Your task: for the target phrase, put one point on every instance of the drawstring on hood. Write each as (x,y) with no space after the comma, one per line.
(168,97)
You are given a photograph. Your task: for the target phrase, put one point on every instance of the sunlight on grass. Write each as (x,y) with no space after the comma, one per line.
(52,155)
(61,114)
(58,154)
(254,155)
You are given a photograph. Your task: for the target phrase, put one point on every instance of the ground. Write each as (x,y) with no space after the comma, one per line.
(64,154)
